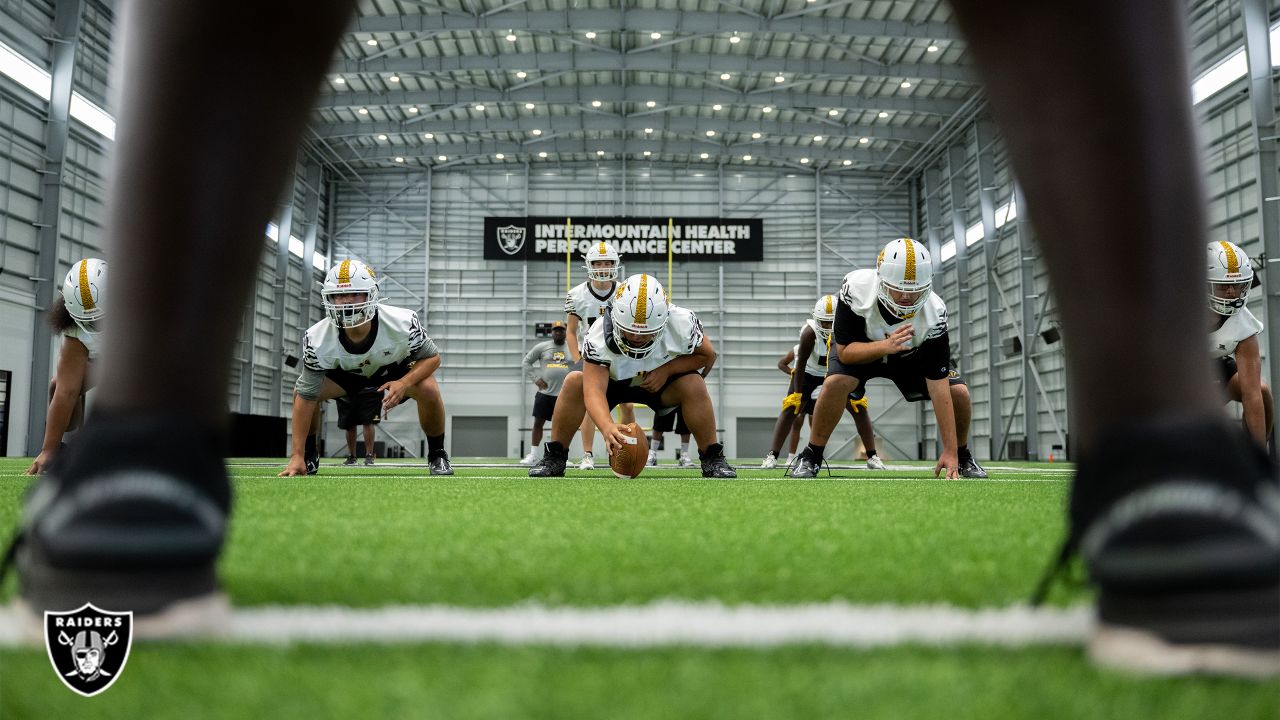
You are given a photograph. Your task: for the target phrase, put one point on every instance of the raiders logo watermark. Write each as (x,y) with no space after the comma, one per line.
(88,647)
(511,239)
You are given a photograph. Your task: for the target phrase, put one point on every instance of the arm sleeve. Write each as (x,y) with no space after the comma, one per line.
(592,354)
(935,356)
(695,334)
(309,384)
(420,346)
(569,308)
(848,326)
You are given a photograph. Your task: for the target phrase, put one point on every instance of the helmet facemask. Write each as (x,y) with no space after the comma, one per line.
(909,300)
(603,270)
(906,277)
(1226,298)
(350,314)
(824,314)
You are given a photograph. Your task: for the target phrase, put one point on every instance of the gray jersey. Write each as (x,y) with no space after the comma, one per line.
(550,362)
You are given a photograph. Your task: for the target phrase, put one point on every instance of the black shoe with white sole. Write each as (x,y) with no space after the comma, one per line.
(969,468)
(552,463)
(805,465)
(439,462)
(714,464)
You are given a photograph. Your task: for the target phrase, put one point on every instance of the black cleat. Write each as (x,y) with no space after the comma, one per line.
(714,464)
(133,518)
(351,460)
(439,462)
(554,458)
(1179,527)
(368,460)
(969,467)
(805,465)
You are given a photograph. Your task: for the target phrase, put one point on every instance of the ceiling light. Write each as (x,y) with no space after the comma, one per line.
(596,103)
(427,136)
(704,156)
(647,153)
(599,153)
(655,35)
(883,114)
(394,78)
(536,131)
(717,107)
(648,130)
(650,104)
(442,158)
(847,163)
(906,84)
(542,154)
(399,159)
(766,109)
(339,80)
(804,161)
(363,111)
(746,158)
(413,109)
(932,48)
(522,74)
(382,137)
(498,156)
(591,35)
(371,42)
(511,37)
(711,133)
(528,106)
(479,108)
(725,76)
(755,136)
(817,138)
(864,141)
(833,112)
(780,79)
(735,39)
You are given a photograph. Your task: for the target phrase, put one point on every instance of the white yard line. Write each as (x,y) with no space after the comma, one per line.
(424,475)
(663,623)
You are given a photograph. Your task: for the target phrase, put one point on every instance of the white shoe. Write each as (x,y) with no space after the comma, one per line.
(791,459)
(770,461)
(653,459)
(685,460)
(529,459)
(588,462)
(875,463)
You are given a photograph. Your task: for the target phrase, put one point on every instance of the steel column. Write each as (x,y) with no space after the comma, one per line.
(1027,289)
(983,136)
(955,163)
(284,230)
(932,222)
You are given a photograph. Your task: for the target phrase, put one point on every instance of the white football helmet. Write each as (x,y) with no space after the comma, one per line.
(640,310)
(1230,275)
(824,315)
(906,272)
(350,277)
(602,252)
(84,292)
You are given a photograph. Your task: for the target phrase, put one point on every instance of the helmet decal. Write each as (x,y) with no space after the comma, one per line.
(642,302)
(1233,262)
(909,274)
(602,249)
(86,297)
(344,272)
(830,299)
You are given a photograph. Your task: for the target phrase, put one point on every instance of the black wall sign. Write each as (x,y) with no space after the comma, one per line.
(635,238)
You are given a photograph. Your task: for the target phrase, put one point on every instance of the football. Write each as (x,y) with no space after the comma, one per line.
(628,460)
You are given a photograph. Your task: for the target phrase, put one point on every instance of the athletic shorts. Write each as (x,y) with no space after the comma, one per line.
(362,408)
(810,386)
(352,383)
(544,406)
(906,373)
(673,420)
(622,391)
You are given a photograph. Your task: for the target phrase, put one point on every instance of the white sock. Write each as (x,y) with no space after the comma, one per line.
(684,448)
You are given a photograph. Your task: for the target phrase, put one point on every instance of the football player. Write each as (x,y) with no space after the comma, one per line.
(663,424)
(644,351)
(361,344)
(1234,338)
(77,314)
(806,379)
(586,303)
(889,323)
(545,365)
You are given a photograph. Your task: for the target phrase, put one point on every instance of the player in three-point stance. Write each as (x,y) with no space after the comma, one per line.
(644,351)
(361,344)
(889,323)
(1233,339)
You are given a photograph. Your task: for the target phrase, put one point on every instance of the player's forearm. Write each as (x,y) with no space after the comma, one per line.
(1255,415)
(860,353)
(944,412)
(571,342)
(303,411)
(422,370)
(685,363)
(61,407)
(597,408)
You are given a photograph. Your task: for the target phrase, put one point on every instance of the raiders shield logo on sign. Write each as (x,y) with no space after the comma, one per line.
(88,647)
(511,239)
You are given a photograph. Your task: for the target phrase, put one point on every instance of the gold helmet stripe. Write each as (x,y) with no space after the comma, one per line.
(86,295)
(344,272)
(642,304)
(909,275)
(602,249)
(1233,261)
(829,298)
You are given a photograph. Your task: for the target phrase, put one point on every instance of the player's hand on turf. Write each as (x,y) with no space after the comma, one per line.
(541,384)
(899,339)
(655,379)
(41,463)
(393,394)
(297,466)
(950,462)
(614,438)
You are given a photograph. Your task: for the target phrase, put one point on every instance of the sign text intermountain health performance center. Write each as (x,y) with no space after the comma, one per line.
(635,238)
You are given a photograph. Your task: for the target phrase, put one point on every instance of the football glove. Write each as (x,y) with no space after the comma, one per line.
(860,403)
(792,401)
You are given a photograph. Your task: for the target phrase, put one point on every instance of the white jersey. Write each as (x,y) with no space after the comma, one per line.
(1239,327)
(90,340)
(817,362)
(682,335)
(859,293)
(397,336)
(587,303)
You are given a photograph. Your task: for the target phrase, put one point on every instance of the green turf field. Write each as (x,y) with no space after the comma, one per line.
(494,538)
